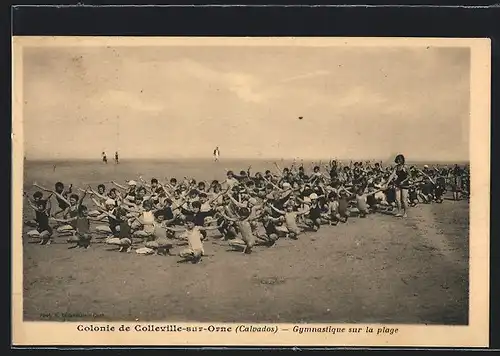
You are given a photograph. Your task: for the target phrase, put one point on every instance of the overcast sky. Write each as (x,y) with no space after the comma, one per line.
(174,102)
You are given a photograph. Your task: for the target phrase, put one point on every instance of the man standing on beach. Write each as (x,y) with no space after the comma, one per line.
(216,154)
(116,157)
(104,158)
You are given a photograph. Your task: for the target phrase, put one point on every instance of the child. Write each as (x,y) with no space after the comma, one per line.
(146,222)
(71,212)
(412,194)
(313,218)
(121,230)
(230,181)
(71,208)
(242,222)
(361,199)
(439,189)
(100,194)
(130,191)
(82,236)
(194,237)
(161,244)
(426,191)
(41,207)
(291,220)
(271,235)
(61,197)
(333,208)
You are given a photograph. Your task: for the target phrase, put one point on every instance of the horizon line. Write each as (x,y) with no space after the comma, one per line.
(326,159)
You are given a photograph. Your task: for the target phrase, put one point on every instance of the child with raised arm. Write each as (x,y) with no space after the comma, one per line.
(242,222)
(162,242)
(121,229)
(41,207)
(130,192)
(82,236)
(362,199)
(109,212)
(231,180)
(333,208)
(313,218)
(75,215)
(146,222)
(291,219)
(195,251)
(99,198)
(71,208)
(271,233)
(62,197)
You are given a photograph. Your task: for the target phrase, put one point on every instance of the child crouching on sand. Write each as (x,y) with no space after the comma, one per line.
(193,235)
(291,219)
(41,207)
(82,236)
(243,224)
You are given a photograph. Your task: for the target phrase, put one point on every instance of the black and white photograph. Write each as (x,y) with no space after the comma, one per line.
(248,181)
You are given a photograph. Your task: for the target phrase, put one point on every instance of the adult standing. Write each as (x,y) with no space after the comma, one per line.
(216,154)
(399,177)
(456,183)
(116,157)
(104,158)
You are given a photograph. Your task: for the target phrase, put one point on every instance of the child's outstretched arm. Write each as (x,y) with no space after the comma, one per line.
(345,190)
(277,210)
(64,221)
(280,171)
(175,229)
(235,202)
(227,217)
(213,199)
(107,213)
(170,221)
(55,193)
(303,211)
(286,196)
(207,228)
(376,191)
(82,197)
(99,218)
(118,185)
(391,177)
(144,183)
(432,180)
(257,217)
(35,184)
(270,182)
(93,192)
(32,205)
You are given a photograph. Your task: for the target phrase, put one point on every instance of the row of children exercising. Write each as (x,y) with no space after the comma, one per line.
(246,210)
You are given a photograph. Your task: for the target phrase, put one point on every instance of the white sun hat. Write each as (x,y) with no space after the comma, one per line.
(132,182)
(313,196)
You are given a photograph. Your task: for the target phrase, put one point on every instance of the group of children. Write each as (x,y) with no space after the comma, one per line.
(246,209)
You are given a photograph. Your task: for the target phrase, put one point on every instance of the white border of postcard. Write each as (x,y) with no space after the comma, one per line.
(476,334)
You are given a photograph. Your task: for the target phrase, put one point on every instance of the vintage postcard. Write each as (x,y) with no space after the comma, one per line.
(251,191)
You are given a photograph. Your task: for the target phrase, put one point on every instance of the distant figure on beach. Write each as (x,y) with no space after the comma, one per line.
(104,158)
(116,157)
(216,154)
